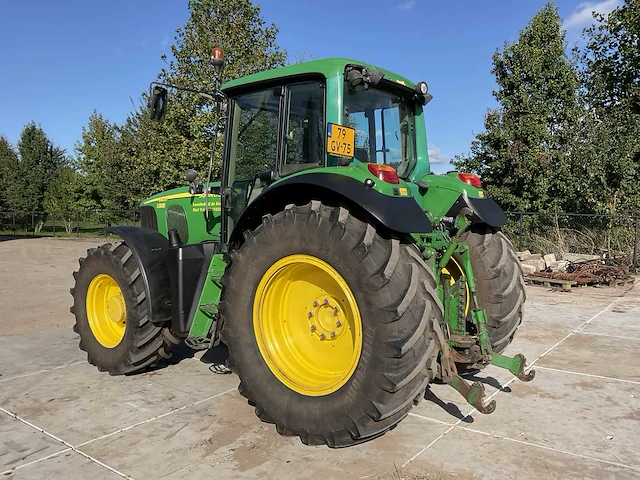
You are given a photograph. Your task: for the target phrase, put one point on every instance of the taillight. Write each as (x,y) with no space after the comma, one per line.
(386,173)
(471,179)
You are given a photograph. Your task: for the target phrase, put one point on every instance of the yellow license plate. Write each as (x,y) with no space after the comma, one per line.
(340,140)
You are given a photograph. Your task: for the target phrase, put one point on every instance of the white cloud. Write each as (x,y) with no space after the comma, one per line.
(436,156)
(408,5)
(582,16)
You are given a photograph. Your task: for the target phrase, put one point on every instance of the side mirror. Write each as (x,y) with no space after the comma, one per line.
(190,174)
(158,103)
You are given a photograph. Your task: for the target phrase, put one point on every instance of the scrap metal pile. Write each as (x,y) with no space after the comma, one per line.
(590,272)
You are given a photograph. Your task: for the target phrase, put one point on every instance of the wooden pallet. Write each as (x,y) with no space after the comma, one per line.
(565,285)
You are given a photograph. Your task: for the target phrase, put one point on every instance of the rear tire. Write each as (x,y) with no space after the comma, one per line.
(142,343)
(400,315)
(499,283)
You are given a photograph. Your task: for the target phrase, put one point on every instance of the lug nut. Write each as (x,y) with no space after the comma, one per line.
(322,336)
(326,301)
(315,303)
(336,309)
(313,328)
(333,334)
(338,324)
(310,314)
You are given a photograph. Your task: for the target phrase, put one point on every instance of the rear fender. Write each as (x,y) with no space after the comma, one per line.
(150,249)
(398,214)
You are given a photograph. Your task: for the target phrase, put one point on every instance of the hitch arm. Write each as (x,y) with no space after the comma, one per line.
(515,365)
(474,394)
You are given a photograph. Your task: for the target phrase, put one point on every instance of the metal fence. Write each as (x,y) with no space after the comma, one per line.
(614,236)
(606,236)
(90,223)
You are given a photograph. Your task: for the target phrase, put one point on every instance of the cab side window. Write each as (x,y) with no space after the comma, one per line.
(303,141)
(253,147)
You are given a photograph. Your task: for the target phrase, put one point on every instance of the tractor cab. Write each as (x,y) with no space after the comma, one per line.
(325,113)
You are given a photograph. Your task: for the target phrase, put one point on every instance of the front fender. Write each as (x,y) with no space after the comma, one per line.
(150,248)
(480,210)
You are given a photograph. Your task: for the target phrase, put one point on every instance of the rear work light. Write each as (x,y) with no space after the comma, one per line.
(386,173)
(471,179)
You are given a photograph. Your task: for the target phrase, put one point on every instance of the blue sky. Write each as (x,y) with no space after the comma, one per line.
(61,60)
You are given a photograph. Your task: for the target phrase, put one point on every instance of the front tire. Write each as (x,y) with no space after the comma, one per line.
(391,320)
(110,308)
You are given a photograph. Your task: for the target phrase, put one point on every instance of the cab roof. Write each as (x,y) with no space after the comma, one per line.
(327,67)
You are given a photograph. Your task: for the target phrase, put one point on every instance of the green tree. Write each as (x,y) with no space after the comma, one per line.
(162,151)
(610,133)
(65,198)
(38,162)
(524,156)
(8,165)
(107,170)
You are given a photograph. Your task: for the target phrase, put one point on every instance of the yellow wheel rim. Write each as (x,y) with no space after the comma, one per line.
(307,325)
(106,310)
(454,271)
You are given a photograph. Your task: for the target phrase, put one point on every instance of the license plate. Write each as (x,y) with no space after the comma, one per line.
(340,140)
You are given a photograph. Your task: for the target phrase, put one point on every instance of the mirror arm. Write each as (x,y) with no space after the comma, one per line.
(217,96)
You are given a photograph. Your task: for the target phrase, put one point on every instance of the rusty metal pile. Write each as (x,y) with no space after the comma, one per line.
(592,272)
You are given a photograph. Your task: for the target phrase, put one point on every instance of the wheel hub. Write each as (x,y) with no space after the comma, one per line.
(326,318)
(115,308)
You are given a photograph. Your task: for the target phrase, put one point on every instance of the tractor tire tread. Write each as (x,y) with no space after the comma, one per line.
(407,313)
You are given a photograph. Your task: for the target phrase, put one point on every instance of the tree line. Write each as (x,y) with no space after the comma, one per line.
(114,166)
(565,135)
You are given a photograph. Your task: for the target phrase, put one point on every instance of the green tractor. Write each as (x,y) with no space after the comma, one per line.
(341,273)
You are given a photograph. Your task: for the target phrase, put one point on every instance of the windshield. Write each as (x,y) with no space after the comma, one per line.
(384,126)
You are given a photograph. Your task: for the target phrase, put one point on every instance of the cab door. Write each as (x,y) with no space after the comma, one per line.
(272,132)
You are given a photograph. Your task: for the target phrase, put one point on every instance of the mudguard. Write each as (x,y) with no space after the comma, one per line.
(480,210)
(400,214)
(150,249)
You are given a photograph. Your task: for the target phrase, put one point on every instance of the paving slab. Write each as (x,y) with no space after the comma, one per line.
(21,444)
(494,458)
(622,320)
(571,413)
(224,438)
(548,320)
(78,403)
(192,375)
(596,355)
(547,323)
(24,354)
(64,467)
